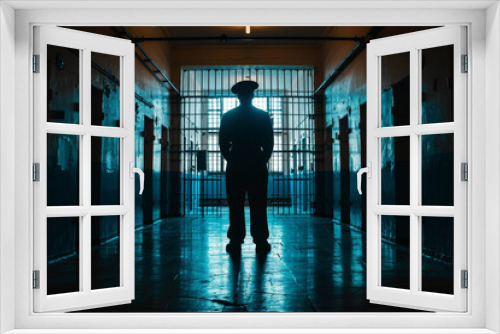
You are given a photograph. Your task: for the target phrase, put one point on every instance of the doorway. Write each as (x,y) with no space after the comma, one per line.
(149,138)
(345,170)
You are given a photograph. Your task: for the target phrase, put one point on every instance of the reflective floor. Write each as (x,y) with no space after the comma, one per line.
(314,266)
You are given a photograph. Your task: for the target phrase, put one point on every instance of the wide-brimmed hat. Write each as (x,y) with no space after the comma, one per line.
(244,87)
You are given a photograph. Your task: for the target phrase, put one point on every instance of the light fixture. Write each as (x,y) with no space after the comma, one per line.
(247,29)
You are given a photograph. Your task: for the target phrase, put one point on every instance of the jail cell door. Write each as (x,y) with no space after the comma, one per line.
(416,150)
(345,171)
(164,173)
(149,138)
(83,170)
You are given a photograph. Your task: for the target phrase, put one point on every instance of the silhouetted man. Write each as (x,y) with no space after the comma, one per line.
(246,142)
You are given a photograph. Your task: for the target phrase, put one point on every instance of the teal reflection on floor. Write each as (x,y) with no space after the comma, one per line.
(314,266)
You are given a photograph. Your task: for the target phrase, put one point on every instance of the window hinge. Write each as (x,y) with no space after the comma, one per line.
(465,279)
(465,64)
(36,172)
(36,63)
(464,171)
(36,279)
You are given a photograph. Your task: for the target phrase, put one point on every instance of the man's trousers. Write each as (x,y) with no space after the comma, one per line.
(254,182)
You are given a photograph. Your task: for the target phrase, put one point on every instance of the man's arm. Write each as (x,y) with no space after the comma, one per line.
(224,140)
(268,138)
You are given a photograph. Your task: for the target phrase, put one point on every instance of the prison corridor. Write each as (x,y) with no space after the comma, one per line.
(318,219)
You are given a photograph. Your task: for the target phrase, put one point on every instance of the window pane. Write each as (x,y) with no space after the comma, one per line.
(276,161)
(229,103)
(63,170)
(260,102)
(437,84)
(437,169)
(437,254)
(214,114)
(214,162)
(214,104)
(63,255)
(214,156)
(105,178)
(105,252)
(395,99)
(395,170)
(276,113)
(396,252)
(63,85)
(105,95)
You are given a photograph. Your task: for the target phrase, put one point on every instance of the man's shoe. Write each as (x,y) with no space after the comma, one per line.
(233,247)
(263,247)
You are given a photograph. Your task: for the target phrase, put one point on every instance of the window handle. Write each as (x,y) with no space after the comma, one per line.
(139,171)
(368,171)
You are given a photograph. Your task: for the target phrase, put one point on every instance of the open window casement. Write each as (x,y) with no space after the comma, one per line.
(416,154)
(76,146)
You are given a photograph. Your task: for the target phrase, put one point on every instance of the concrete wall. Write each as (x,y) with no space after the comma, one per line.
(228,55)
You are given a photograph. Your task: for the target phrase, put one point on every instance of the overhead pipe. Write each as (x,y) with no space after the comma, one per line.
(373,32)
(148,59)
(224,38)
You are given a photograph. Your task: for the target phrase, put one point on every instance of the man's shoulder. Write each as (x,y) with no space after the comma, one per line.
(228,114)
(235,112)
(231,112)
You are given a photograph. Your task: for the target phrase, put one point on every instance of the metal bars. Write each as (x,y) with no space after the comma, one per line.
(287,93)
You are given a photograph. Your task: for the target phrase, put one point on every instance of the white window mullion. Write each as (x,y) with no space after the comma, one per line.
(460,155)
(379,251)
(127,227)
(66,211)
(423,129)
(85,171)
(85,254)
(85,297)
(40,156)
(416,157)
(434,128)
(396,131)
(108,131)
(392,210)
(67,129)
(373,184)
(422,210)
(415,104)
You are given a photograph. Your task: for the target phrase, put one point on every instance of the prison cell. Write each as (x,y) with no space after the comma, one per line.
(287,94)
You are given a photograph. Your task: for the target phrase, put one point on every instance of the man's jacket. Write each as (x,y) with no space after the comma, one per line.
(246,137)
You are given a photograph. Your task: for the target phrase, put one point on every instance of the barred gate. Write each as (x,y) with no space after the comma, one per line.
(287,93)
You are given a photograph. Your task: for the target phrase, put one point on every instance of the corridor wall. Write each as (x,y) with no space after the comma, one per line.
(153,102)
(345,103)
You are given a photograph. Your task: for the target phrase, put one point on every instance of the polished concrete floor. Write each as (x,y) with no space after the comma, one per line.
(314,266)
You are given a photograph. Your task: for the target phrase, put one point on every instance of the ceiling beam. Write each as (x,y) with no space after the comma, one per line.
(224,38)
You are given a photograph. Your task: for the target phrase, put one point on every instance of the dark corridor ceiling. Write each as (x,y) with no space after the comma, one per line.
(259,35)
(239,32)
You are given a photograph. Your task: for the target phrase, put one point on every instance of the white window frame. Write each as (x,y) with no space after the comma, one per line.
(413,44)
(86,44)
(483,212)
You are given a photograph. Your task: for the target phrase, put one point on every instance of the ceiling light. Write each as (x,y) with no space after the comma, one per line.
(247,29)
